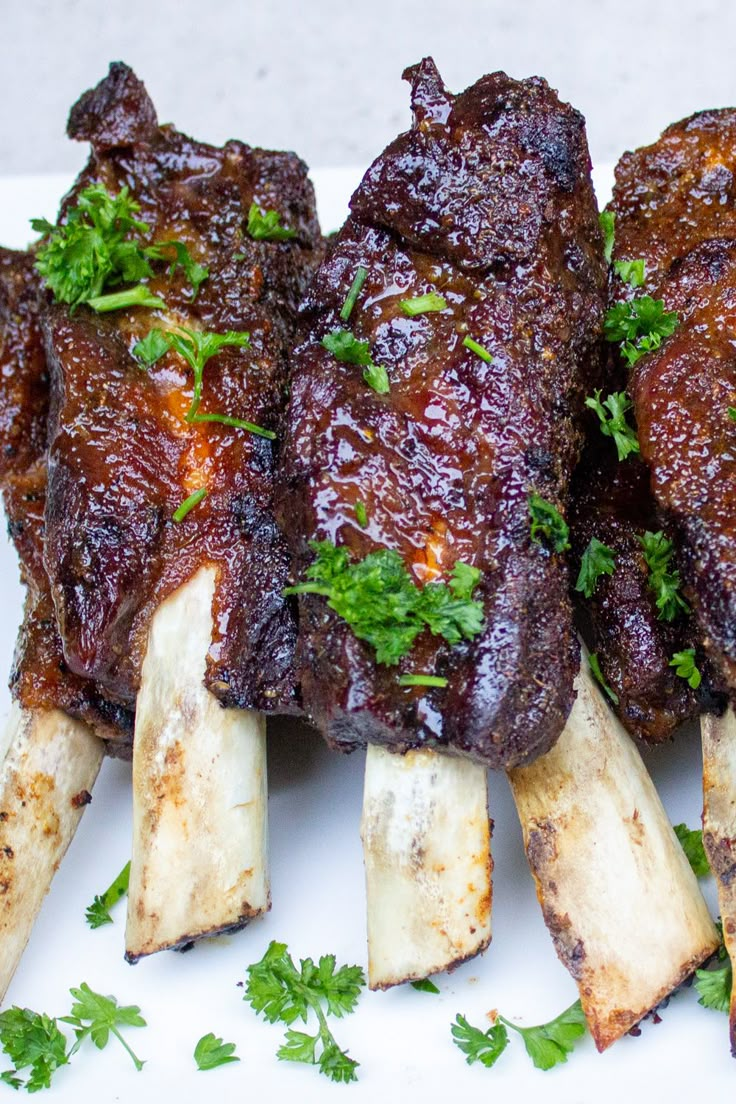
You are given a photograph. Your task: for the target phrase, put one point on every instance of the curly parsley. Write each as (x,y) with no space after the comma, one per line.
(32,1041)
(266,225)
(612,415)
(547,523)
(639,326)
(665,584)
(281,993)
(383,606)
(684,664)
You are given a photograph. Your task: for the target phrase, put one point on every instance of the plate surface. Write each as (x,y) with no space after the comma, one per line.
(401,1038)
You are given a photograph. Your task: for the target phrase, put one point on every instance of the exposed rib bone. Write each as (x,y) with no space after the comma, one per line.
(426,844)
(199,863)
(50,763)
(618,895)
(719,827)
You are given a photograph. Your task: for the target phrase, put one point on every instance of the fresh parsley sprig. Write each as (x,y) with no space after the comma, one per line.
(639,326)
(691,840)
(281,993)
(424,985)
(598,559)
(211,1052)
(32,1041)
(631,272)
(98,1017)
(266,225)
(658,553)
(547,1045)
(98,913)
(684,664)
(612,415)
(547,523)
(607,220)
(194,273)
(383,606)
(595,670)
(346,348)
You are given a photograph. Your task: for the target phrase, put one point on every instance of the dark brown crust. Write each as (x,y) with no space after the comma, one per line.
(675,207)
(488,200)
(122,458)
(40,678)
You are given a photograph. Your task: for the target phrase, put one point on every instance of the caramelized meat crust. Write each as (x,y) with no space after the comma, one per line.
(487,200)
(675,207)
(122,457)
(40,677)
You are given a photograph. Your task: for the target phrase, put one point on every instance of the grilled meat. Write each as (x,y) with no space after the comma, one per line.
(40,678)
(674,204)
(487,200)
(122,457)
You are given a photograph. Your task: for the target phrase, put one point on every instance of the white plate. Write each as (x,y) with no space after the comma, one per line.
(401,1038)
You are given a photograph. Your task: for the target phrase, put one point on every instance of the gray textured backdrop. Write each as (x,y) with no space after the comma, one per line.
(324,77)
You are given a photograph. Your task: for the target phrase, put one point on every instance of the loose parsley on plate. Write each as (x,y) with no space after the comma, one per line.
(547,1044)
(211,1052)
(382,604)
(280,992)
(32,1040)
(98,1017)
(98,913)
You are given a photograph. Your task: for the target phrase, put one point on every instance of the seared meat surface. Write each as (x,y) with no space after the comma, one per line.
(674,204)
(122,457)
(487,201)
(40,678)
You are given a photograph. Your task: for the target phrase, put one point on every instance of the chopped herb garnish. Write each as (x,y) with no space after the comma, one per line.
(266,225)
(639,325)
(352,296)
(658,552)
(33,1041)
(714,984)
(477,349)
(691,840)
(280,992)
(188,504)
(423,304)
(612,414)
(346,348)
(383,606)
(361,514)
(151,348)
(595,669)
(598,559)
(97,1017)
(547,522)
(607,220)
(424,985)
(684,664)
(98,912)
(547,1045)
(422,680)
(194,273)
(631,272)
(211,1052)
(138,296)
(732,413)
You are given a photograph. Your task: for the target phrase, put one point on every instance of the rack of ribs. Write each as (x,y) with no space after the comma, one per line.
(448,341)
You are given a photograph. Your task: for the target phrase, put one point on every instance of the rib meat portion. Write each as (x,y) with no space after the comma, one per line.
(122,456)
(40,677)
(486,200)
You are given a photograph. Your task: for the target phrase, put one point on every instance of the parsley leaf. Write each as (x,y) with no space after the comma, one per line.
(32,1040)
(612,414)
(607,220)
(96,1016)
(151,348)
(691,840)
(280,992)
(383,606)
(684,664)
(266,225)
(98,913)
(424,985)
(732,413)
(423,304)
(631,272)
(639,325)
(595,669)
(479,1046)
(549,1044)
(194,273)
(658,552)
(211,1052)
(346,348)
(714,987)
(598,559)
(547,522)
(361,514)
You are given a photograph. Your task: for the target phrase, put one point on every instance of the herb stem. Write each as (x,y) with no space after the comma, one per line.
(355,289)
(423,680)
(188,504)
(138,296)
(136,1060)
(226,419)
(479,350)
